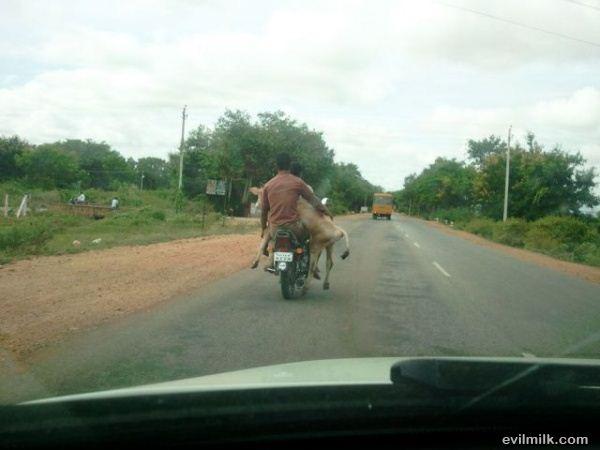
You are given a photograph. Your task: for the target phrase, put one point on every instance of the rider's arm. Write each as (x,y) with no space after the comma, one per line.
(264,201)
(308,195)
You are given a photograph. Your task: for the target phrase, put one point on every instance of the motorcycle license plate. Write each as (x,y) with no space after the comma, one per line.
(284,257)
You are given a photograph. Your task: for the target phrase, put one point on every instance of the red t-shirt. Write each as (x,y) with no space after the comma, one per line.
(280,196)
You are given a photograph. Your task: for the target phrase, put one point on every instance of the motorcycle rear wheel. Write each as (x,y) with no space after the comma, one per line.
(288,282)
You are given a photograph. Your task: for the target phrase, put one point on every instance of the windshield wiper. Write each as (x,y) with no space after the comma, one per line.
(479,379)
(460,375)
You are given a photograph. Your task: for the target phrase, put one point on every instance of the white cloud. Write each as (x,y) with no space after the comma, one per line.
(392,84)
(580,111)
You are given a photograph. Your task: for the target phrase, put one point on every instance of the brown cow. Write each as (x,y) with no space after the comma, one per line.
(323,234)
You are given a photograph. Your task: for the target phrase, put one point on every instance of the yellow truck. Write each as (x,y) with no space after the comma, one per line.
(382,205)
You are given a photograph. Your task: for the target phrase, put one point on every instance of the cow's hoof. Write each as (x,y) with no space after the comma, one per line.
(345,254)
(254,265)
(316,275)
(266,252)
(326,286)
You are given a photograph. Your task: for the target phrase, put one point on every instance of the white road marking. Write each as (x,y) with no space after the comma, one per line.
(441,269)
(417,245)
(528,355)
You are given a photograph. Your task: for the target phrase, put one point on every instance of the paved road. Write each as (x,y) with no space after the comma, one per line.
(407,289)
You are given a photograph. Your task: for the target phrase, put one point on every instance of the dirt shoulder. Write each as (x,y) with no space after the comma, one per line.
(43,299)
(587,273)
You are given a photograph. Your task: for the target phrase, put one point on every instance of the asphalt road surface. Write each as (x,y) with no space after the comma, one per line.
(407,289)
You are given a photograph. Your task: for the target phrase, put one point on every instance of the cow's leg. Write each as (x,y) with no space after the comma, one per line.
(346,242)
(328,266)
(261,250)
(315,253)
(316,274)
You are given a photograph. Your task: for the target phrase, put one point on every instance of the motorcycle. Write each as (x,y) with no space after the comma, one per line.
(292,262)
(291,259)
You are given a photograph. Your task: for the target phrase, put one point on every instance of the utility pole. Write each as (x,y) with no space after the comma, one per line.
(183,117)
(142,182)
(506,177)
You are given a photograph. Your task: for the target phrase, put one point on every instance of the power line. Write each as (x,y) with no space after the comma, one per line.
(586,5)
(519,24)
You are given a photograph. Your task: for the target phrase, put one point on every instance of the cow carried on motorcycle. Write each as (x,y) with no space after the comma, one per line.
(301,228)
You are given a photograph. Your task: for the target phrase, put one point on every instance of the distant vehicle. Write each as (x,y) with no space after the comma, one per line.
(382,205)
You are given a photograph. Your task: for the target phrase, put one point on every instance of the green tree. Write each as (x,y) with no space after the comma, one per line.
(10,150)
(281,133)
(479,151)
(243,150)
(541,182)
(235,149)
(104,167)
(196,165)
(48,167)
(349,190)
(445,184)
(155,171)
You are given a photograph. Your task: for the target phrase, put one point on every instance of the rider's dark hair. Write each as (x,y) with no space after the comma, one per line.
(296,168)
(283,161)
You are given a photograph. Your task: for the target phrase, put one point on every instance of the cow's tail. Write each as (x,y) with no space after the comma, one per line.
(347,243)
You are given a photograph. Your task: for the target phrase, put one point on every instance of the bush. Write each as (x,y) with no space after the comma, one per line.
(482,226)
(158,215)
(538,239)
(588,253)
(512,232)
(456,215)
(565,231)
(14,189)
(23,235)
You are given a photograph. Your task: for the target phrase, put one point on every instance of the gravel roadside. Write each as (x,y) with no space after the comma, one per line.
(43,299)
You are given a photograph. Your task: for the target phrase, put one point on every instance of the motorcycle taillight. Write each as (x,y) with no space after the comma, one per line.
(283,244)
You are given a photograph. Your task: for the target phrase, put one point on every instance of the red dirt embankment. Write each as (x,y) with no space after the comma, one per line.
(44,298)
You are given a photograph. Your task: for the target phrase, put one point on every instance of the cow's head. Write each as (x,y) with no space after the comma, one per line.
(255,207)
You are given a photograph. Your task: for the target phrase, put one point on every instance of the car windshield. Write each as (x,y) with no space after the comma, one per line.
(192,189)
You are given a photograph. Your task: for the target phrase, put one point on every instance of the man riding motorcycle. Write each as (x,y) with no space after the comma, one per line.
(279,201)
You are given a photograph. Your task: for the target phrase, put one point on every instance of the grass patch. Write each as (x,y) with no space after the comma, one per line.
(145,217)
(456,215)
(29,236)
(480,226)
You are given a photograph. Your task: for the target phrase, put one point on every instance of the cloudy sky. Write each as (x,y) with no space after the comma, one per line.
(391,84)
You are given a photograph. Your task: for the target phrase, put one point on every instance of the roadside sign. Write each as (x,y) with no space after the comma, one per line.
(221,187)
(216,187)
(211,187)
